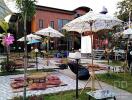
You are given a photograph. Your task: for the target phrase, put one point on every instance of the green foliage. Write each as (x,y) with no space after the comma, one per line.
(26,7)
(124,8)
(16,72)
(114,63)
(66,95)
(4,25)
(7,67)
(118,78)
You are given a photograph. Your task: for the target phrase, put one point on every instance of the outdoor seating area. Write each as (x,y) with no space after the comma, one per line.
(36,81)
(72,51)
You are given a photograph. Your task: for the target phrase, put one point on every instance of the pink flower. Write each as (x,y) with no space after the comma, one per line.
(7,39)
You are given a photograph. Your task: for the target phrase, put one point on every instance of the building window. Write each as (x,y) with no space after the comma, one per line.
(41,24)
(52,24)
(61,23)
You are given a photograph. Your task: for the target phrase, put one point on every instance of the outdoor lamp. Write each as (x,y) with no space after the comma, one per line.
(36,51)
(31,47)
(14,48)
(19,48)
(77,57)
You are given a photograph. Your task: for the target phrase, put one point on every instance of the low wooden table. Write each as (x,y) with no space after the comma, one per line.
(101,95)
(37,77)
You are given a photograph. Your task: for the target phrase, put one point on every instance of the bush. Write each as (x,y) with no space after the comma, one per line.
(7,67)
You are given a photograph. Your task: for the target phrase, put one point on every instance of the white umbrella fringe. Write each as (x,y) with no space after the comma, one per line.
(99,22)
(30,37)
(49,32)
(86,26)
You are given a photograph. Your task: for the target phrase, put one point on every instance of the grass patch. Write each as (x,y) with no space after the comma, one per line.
(113,63)
(120,80)
(16,72)
(65,95)
(11,73)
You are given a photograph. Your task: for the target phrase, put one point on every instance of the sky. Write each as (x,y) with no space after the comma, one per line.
(96,5)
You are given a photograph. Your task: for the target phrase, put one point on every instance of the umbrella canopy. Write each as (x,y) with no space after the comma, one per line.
(125,34)
(128,31)
(33,41)
(94,21)
(30,37)
(49,32)
(4,10)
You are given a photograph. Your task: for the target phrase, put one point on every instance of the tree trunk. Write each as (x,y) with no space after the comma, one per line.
(7,55)
(25,57)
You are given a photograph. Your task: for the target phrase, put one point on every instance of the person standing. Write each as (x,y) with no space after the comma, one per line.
(129,55)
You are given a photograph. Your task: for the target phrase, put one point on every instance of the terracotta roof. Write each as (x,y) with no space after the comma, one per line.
(87,9)
(44,8)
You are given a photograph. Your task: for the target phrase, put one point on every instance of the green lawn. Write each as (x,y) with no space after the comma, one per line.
(16,72)
(66,95)
(120,80)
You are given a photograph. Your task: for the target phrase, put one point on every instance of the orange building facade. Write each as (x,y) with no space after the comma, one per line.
(56,18)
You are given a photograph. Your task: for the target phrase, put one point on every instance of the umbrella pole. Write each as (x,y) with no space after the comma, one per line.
(48,49)
(92,76)
(93,73)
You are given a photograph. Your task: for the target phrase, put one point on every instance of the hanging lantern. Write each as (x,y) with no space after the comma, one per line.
(106,42)
(110,34)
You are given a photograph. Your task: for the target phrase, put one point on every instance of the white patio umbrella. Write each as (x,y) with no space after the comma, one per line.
(128,31)
(30,37)
(4,10)
(92,22)
(49,32)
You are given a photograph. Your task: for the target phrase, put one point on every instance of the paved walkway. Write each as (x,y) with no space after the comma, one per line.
(6,91)
(65,75)
(120,94)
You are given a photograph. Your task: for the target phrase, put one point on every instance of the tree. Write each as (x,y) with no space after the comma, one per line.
(4,25)
(124,7)
(27,11)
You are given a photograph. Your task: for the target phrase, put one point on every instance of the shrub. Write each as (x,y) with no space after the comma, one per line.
(7,67)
